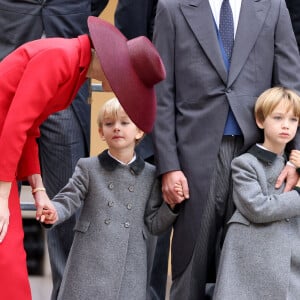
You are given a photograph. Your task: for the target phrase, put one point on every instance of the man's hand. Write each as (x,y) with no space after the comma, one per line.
(289,175)
(169,182)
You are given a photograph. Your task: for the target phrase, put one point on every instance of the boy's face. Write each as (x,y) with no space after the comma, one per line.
(279,127)
(119,132)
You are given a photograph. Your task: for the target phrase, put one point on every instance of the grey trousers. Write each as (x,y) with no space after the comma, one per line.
(195,283)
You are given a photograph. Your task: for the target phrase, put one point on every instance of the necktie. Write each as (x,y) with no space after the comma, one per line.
(226,28)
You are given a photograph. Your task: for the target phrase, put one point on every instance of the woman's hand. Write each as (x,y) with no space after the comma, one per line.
(45,210)
(4,210)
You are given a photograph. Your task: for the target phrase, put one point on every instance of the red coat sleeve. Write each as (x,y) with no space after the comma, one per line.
(34,99)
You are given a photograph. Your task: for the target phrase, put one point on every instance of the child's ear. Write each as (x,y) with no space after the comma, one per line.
(259,123)
(139,134)
(101,134)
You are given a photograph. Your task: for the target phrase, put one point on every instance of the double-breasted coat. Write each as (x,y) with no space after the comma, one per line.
(261,253)
(38,79)
(122,205)
(193,101)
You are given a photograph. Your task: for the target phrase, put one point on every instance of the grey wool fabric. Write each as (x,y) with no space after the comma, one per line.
(122,206)
(261,253)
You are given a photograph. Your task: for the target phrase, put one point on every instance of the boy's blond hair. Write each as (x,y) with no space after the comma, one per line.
(109,108)
(270,98)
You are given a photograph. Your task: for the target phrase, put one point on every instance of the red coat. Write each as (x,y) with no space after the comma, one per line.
(37,79)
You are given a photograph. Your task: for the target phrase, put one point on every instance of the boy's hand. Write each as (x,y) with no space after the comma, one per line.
(178,189)
(45,210)
(49,216)
(169,180)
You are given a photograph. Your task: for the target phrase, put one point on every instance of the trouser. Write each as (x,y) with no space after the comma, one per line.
(192,284)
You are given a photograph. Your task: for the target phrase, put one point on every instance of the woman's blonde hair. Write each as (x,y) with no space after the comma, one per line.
(270,98)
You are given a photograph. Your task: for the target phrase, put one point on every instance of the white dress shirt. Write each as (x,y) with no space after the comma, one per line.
(215,6)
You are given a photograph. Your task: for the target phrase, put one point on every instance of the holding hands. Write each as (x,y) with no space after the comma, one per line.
(174,188)
(45,210)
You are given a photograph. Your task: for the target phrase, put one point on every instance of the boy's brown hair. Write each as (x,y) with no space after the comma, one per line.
(270,98)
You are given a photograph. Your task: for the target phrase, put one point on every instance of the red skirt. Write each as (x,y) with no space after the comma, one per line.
(14,282)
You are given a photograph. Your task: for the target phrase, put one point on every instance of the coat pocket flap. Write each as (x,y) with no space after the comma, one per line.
(239,218)
(82,226)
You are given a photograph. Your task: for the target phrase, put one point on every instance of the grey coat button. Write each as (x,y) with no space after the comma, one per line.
(110,203)
(131,188)
(110,185)
(126,224)
(107,221)
(129,206)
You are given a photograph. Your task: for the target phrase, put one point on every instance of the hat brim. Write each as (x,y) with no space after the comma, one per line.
(137,99)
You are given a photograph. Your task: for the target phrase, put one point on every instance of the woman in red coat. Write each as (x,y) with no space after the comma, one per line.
(40,78)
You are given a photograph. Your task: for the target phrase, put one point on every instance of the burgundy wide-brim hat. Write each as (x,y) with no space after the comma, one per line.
(132,68)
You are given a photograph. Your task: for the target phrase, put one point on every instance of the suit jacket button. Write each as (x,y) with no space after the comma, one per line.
(110,203)
(129,206)
(126,224)
(131,188)
(110,185)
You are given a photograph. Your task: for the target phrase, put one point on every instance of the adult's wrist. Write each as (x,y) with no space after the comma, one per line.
(38,189)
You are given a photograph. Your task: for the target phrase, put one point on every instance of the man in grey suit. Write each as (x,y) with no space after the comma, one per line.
(205,116)
(65,135)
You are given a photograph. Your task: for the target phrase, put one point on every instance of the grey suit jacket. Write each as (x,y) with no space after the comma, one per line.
(262,243)
(121,205)
(194,99)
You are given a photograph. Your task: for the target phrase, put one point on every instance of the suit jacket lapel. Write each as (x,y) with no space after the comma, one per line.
(252,17)
(195,10)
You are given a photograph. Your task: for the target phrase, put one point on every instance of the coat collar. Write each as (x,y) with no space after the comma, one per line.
(110,164)
(262,154)
(252,15)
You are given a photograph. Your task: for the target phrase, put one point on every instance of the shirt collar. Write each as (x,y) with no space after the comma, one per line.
(263,154)
(110,164)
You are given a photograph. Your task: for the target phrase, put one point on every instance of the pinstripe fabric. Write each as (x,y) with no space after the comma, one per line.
(61,144)
(202,267)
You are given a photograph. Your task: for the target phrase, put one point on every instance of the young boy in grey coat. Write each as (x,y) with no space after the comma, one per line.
(261,252)
(122,205)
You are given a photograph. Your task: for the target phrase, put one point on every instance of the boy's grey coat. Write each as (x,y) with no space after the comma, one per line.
(263,240)
(108,258)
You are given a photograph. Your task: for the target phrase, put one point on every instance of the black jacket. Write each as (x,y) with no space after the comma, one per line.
(294,9)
